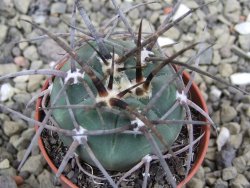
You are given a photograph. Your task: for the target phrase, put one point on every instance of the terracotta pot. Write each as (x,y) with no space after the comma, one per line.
(196,97)
(18,179)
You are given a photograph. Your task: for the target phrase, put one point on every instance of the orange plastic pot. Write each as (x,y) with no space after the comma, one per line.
(196,97)
(18,179)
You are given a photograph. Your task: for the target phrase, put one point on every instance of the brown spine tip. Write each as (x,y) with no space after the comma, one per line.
(118,103)
(139,76)
(100,87)
(111,78)
(148,80)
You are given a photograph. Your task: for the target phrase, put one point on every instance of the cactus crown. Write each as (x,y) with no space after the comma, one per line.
(116,101)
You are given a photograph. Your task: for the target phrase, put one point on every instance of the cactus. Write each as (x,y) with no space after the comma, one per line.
(118,103)
(112,150)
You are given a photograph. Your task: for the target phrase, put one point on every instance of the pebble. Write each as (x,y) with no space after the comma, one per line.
(31,53)
(216,57)
(220,184)
(50,50)
(211,155)
(16,51)
(233,59)
(6,92)
(225,157)
(23,45)
(7,9)
(173,33)
(247,156)
(181,11)
(7,182)
(19,142)
(24,174)
(4,164)
(33,165)
(222,41)
(243,28)
(232,6)
(232,10)
(240,78)
(229,173)
(248,18)
(21,79)
(240,164)
(222,138)
(206,57)
(39,18)
(244,41)
(163,41)
(21,61)
(134,14)
(233,127)
(58,8)
(11,149)
(32,181)
(20,155)
(195,183)
(29,133)
(154,17)
(22,98)
(225,70)
(154,6)
(215,93)
(200,174)
(34,82)
(247,175)
(210,181)
(36,65)
(3,33)
(43,179)
(225,52)
(53,21)
(11,127)
(22,6)
(27,27)
(236,140)
(5,154)
(8,171)
(209,164)
(147,26)
(228,113)
(240,182)
(248,112)
(21,85)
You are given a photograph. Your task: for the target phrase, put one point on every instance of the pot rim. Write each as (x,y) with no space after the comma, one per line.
(195,93)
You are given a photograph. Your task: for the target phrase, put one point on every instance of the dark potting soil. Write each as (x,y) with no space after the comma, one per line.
(57,150)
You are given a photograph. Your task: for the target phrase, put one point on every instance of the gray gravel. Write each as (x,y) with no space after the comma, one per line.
(221,169)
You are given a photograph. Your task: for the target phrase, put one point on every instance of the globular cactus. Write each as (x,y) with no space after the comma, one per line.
(118,151)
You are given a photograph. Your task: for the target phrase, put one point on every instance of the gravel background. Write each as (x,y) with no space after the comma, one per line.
(229,167)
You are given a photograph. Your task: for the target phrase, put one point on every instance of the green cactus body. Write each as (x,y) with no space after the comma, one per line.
(117,152)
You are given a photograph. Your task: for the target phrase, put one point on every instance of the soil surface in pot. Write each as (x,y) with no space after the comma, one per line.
(57,150)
